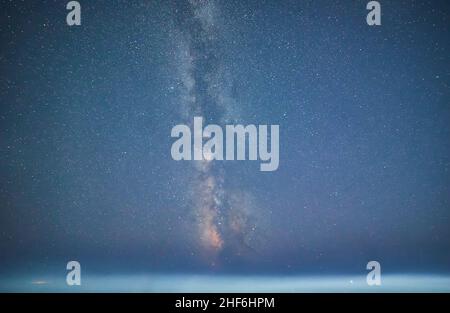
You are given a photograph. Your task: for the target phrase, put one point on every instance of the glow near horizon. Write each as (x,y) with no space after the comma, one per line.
(232,283)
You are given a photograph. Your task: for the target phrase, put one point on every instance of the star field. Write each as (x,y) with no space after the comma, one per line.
(86,113)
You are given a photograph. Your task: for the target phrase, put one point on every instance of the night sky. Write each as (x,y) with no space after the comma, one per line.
(86,114)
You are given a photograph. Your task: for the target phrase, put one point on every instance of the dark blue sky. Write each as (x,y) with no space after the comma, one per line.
(86,114)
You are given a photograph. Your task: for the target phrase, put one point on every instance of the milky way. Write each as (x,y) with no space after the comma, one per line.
(206,92)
